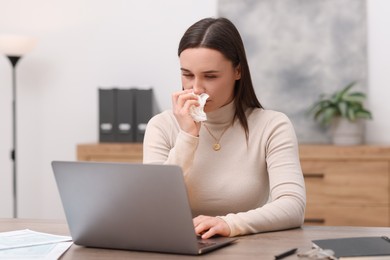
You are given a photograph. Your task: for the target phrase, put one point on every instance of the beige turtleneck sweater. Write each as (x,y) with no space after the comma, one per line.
(255,186)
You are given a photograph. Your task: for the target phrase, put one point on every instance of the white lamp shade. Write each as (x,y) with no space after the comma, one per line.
(16,45)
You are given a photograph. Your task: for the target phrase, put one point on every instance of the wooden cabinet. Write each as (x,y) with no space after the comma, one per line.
(110,152)
(346,185)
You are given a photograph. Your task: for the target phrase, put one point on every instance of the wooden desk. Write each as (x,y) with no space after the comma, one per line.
(258,246)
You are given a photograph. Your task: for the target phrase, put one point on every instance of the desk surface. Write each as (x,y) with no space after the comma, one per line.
(258,246)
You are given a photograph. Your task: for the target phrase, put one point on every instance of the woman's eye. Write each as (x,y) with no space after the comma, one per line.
(187,75)
(210,76)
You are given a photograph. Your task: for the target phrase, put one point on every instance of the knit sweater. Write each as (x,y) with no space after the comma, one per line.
(254,184)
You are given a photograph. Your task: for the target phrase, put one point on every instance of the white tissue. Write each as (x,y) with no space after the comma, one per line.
(197,112)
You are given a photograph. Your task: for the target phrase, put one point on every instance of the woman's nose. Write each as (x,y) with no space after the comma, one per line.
(198,87)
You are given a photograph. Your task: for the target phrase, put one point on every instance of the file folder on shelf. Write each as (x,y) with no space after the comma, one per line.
(144,112)
(106,115)
(125,127)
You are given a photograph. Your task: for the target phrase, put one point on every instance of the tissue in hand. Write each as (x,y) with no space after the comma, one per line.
(197,112)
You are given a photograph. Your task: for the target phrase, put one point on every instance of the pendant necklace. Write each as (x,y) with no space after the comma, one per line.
(216,145)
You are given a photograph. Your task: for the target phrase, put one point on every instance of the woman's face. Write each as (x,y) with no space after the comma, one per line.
(206,70)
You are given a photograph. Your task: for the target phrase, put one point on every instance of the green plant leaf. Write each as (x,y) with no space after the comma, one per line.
(328,115)
(343,108)
(364,114)
(355,97)
(340,94)
(351,114)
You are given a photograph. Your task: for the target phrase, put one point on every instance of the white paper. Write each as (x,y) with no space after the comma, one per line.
(45,252)
(26,237)
(197,112)
(27,244)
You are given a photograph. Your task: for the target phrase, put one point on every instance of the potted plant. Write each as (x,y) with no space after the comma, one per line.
(344,111)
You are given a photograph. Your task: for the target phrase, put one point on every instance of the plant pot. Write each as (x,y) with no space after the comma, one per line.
(345,132)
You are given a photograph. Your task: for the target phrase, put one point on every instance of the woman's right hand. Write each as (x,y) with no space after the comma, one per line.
(181,103)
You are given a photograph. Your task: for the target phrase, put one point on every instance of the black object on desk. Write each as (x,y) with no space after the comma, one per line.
(285,254)
(356,246)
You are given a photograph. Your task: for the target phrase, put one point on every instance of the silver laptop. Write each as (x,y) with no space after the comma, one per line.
(129,206)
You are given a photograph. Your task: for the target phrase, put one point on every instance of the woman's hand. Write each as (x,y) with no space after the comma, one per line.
(181,103)
(207,226)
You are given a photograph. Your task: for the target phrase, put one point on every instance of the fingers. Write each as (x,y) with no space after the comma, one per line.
(210,226)
(198,220)
(182,101)
(179,98)
(181,104)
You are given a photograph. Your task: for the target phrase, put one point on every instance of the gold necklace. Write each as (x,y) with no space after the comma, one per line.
(216,145)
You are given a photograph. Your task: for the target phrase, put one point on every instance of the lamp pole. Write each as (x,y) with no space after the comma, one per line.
(14,60)
(14,47)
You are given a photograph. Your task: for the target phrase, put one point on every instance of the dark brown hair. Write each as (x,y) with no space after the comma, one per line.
(220,34)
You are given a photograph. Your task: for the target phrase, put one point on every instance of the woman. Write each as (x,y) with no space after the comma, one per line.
(241,166)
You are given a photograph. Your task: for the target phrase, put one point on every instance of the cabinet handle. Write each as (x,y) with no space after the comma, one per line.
(314,175)
(315,220)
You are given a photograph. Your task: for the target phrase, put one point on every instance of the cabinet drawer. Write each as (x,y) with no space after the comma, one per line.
(347,216)
(346,182)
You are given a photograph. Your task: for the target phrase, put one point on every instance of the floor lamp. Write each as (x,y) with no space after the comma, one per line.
(15,47)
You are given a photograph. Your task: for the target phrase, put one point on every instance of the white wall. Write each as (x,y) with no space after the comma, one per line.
(81,45)
(86,44)
(378,130)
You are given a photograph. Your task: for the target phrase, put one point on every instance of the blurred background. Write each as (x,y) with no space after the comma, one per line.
(84,45)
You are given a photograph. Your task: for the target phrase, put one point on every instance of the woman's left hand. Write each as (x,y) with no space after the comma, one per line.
(207,226)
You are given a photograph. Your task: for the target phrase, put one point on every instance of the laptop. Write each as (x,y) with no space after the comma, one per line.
(129,206)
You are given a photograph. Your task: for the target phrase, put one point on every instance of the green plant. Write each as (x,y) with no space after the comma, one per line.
(342,103)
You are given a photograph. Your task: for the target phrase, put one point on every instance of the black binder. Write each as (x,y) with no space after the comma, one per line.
(107,115)
(144,112)
(125,111)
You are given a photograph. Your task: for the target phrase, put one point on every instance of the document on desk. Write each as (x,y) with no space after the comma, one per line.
(28,244)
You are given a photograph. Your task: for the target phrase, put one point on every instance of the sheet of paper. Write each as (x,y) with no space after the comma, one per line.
(26,237)
(44,252)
